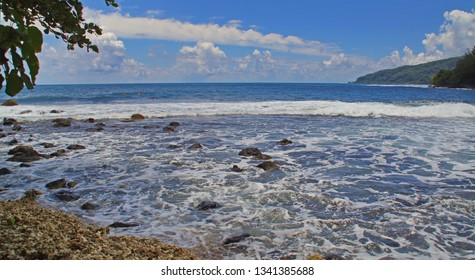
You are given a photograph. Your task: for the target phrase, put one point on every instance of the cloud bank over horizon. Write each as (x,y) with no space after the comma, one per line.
(204,53)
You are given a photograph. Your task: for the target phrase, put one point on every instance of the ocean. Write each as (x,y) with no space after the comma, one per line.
(373,172)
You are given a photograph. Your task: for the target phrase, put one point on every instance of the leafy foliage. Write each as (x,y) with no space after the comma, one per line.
(408,75)
(462,76)
(21,38)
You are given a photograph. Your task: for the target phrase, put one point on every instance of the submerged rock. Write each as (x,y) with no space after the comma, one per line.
(89,206)
(76,147)
(254,152)
(58,184)
(66,196)
(17,127)
(268,165)
(168,129)
(56,111)
(236,239)
(48,145)
(196,146)
(285,142)
(174,124)
(123,225)
(59,153)
(5,171)
(31,194)
(24,154)
(62,122)
(72,184)
(236,168)
(207,205)
(13,142)
(9,121)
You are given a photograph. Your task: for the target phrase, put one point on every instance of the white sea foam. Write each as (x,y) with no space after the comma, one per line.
(318,108)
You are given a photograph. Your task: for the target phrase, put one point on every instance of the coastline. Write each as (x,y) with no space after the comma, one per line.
(30,231)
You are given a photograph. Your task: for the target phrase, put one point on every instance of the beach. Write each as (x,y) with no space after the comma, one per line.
(369,175)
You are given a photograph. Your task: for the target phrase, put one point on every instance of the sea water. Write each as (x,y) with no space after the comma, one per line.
(373,172)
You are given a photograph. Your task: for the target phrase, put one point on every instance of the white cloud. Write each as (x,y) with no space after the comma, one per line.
(228,34)
(456,36)
(203,58)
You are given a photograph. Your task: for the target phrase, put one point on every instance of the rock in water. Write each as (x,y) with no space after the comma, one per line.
(66,196)
(268,165)
(137,117)
(236,239)
(62,122)
(24,154)
(207,205)
(10,102)
(236,168)
(196,146)
(58,184)
(89,206)
(123,225)
(254,152)
(5,171)
(9,121)
(174,124)
(76,147)
(285,142)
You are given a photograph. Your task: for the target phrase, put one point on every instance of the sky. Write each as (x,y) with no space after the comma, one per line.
(259,40)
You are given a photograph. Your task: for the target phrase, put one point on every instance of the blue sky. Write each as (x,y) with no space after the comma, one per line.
(265,41)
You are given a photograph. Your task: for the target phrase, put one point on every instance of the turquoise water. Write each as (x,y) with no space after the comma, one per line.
(373,172)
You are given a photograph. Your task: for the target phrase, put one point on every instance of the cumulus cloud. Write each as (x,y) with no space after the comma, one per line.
(228,34)
(203,58)
(456,36)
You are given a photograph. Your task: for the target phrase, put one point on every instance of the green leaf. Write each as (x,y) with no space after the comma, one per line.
(27,81)
(36,38)
(34,65)
(14,83)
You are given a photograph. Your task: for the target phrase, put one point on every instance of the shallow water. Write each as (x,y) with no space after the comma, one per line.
(358,187)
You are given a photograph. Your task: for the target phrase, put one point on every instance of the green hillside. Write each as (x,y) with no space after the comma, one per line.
(409,75)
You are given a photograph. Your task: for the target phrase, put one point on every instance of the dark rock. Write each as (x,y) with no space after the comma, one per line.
(56,111)
(62,122)
(168,129)
(10,102)
(137,117)
(195,146)
(76,147)
(95,129)
(250,152)
(48,145)
(89,206)
(101,124)
(58,184)
(24,165)
(268,165)
(285,142)
(254,152)
(5,171)
(66,196)
(13,142)
(174,124)
(24,154)
(9,121)
(3,135)
(237,169)
(17,127)
(236,239)
(207,205)
(172,146)
(72,184)
(59,153)
(123,225)
(91,120)
(31,194)
(26,112)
